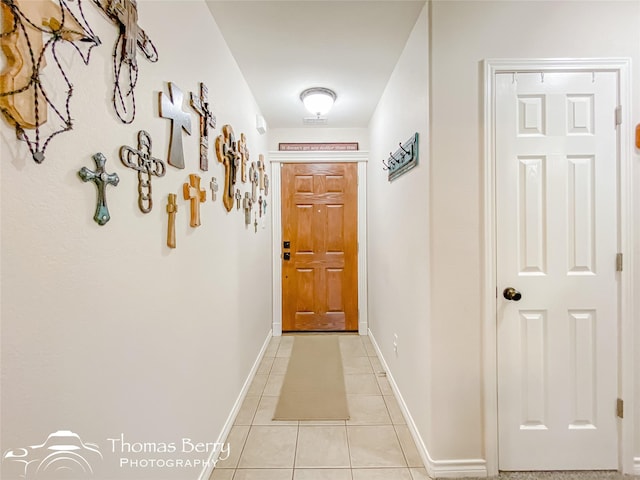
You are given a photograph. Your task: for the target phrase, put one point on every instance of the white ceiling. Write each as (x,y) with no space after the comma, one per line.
(284,47)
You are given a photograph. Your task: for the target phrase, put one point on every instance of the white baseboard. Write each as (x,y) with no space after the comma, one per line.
(636,466)
(206,472)
(435,468)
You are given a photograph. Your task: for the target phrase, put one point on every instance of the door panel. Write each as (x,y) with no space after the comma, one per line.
(556,212)
(319,219)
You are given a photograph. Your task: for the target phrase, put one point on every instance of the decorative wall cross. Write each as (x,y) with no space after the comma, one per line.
(261,170)
(101,179)
(243,150)
(124,13)
(253,178)
(146,166)
(266,184)
(248,205)
(24,97)
(227,153)
(207,119)
(214,188)
(196,196)
(172,209)
(171,108)
(238,199)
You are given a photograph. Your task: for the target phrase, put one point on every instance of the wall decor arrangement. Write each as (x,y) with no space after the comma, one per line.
(403,159)
(124,13)
(101,179)
(140,159)
(31,31)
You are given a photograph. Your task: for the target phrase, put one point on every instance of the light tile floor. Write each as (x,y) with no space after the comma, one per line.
(374,444)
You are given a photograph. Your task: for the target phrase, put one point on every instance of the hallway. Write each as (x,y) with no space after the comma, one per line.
(374,444)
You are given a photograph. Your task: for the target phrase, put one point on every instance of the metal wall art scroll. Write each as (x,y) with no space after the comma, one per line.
(124,13)
(32,30)
(101,179)
(228,155)
(207,119)
(404,159)
(196,196)
(146,166)
(171,109)
(172,209)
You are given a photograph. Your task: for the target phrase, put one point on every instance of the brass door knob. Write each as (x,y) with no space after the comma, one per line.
(511,293)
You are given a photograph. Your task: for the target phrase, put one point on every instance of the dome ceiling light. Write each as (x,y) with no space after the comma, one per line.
(318,100)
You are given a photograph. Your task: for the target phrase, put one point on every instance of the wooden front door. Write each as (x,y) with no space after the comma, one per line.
(320,247)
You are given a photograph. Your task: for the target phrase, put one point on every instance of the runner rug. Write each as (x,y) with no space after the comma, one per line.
(313,387)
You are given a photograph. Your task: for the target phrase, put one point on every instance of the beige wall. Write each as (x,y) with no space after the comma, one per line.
(425,229)
(105,330)
(463,34)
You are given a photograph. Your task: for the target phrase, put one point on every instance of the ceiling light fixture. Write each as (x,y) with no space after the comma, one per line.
(318,100)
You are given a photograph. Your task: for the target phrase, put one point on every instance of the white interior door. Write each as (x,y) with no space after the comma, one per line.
(557,237)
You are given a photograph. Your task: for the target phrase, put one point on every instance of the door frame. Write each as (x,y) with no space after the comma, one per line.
(622,66)
(276,159)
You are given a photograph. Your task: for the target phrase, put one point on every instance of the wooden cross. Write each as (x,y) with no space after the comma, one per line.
(261,170)
(253,178)
(125,13)
(214,188)
(193,193)
(227,153)
(248,205)
(238,199)
(207,119)
(101,179)
(171,108)
(243,150)
(22,48)
(146,166)
(172,209)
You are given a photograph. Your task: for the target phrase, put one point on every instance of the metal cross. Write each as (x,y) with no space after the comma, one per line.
(253,178)
(238,199)
(101,179)
(172,209)
(255,223)
(193,193)
(227,153)
(248,205)
(171,108)
(243,150)
(146,166)
(266,184)
(207,119)
(261,170)
(260,205)
(214,188)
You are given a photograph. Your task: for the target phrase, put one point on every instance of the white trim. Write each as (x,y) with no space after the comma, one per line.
(474,467)
(622,66)
(226,428)
(276,159)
